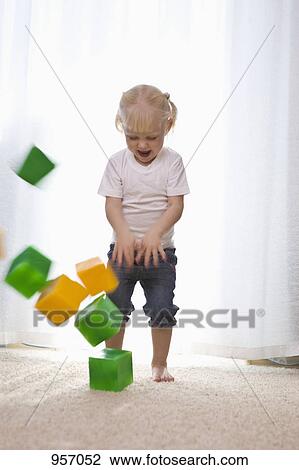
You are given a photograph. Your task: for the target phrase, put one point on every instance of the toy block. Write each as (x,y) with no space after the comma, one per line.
(111,370)
(35,166)
(28,272)
(61,299)
(99,321)
(96,276)
(2,244)
(111,279)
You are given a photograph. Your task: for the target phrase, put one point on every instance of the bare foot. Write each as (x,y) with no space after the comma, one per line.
(161,374)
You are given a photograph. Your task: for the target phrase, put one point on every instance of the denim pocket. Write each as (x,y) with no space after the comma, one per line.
(110,252)
(171,257)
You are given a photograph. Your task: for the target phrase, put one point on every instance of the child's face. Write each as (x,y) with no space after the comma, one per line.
(145,146)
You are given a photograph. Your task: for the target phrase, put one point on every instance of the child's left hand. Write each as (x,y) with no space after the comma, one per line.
(149,245)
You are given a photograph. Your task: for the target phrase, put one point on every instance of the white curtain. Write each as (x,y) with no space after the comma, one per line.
(237,244)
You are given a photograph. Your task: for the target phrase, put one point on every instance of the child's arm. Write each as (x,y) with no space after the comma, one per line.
(124,245)
(151,242)
(172,214)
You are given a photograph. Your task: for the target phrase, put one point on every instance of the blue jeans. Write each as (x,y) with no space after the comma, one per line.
(158,285)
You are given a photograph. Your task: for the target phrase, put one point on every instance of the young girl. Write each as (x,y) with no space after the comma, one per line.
(144,185)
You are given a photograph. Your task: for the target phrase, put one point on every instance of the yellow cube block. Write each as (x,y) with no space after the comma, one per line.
(61,299)
(96,276)
(111,279)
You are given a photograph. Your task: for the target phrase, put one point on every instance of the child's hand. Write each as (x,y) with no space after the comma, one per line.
(149,245)
(124,247)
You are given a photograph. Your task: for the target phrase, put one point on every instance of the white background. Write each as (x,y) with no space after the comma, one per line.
(237,242)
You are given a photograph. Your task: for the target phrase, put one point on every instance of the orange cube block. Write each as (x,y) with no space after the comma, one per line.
(61,299)
(111,279)
(96,276)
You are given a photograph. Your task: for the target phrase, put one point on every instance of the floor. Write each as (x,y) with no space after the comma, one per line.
(214,403)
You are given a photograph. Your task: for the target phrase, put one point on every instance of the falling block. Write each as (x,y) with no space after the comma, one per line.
(61,299)
(28,272)
(35,166)
(111,370)
(111,280)
(99,321)
(2,244)
(96,276)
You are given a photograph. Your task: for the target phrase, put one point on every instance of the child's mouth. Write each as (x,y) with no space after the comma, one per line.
(144,154)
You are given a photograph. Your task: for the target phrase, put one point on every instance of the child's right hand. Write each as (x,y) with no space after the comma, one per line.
(124,247)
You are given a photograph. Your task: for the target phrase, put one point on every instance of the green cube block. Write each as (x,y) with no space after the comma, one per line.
(99,321)
(28,272)
(111,370)
(35,166)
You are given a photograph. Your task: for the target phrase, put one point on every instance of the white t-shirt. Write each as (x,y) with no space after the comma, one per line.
(144,189)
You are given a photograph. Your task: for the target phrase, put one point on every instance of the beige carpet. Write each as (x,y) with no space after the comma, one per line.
(214,403)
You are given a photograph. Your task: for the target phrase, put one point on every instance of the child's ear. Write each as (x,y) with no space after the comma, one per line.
(168,126)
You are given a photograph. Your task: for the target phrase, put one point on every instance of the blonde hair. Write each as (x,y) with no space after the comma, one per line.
(138,109)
